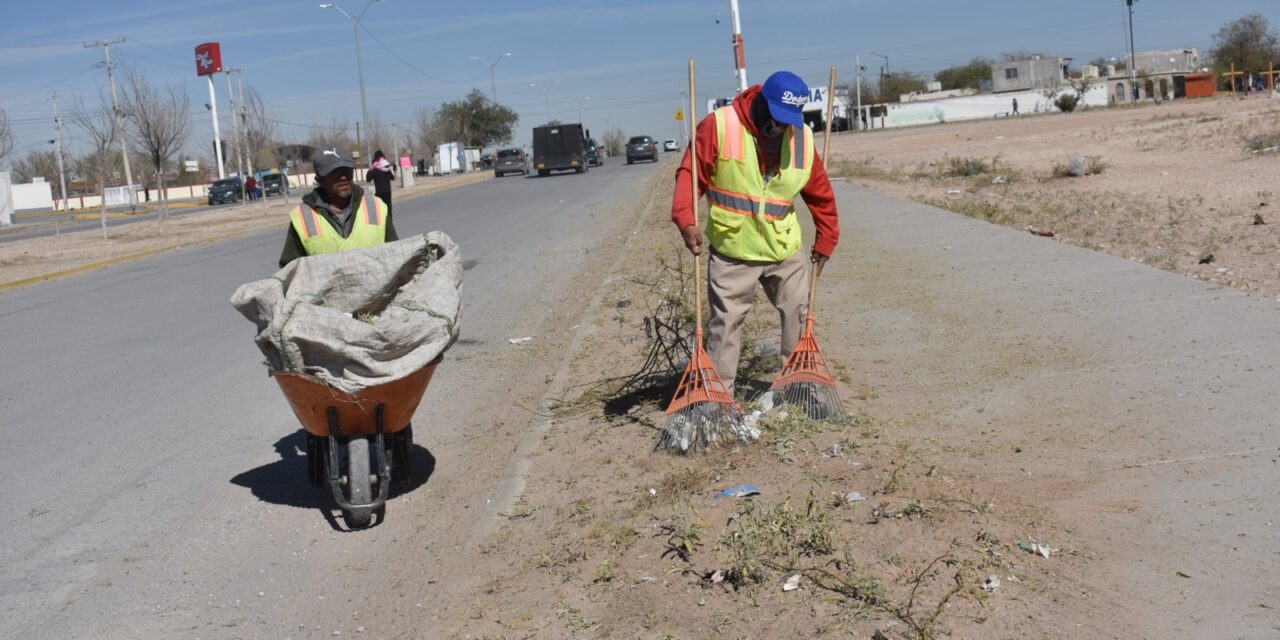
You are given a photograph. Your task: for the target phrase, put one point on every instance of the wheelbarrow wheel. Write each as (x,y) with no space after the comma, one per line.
(359,489)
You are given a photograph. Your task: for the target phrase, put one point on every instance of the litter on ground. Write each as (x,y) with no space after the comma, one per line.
(740,491)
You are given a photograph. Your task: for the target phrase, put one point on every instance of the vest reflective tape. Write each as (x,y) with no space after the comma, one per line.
(737,203)
(733,139)
(798,155)
(371,211)
(309,224)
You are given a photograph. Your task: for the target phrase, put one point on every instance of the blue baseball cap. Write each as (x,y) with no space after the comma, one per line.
(786,94)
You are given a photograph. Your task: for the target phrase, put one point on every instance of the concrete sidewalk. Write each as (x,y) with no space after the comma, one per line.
(1138,406)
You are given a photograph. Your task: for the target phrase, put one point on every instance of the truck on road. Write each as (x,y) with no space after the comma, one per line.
(558,147)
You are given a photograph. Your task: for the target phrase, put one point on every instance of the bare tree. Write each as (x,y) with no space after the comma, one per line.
(336,132)
(159,124)
(381,136)
(98,125)
(39,164)
(6,137)
(615,141)
(258,131)
(429,132)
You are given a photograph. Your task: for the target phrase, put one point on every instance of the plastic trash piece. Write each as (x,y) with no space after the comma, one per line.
(520,340)
(740,491)
(854,496)
(991,584)
(792,583)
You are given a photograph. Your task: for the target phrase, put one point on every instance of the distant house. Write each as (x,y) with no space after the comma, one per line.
(1160,75)
(1028,75)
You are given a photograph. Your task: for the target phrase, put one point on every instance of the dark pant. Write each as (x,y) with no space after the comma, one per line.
(385,197)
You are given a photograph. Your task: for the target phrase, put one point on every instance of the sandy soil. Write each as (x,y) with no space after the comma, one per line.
(611,540)
(34,258)
(1177,185)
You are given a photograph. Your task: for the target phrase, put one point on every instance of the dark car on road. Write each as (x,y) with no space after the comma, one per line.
(594,153)
(641,148)
(226,190)
(510,161)
(275,184)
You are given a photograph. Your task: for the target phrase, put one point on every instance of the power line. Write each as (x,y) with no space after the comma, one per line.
(410,64)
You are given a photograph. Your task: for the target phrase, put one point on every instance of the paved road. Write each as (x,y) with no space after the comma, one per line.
(151,483)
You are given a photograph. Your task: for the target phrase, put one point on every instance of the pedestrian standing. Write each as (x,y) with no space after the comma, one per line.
(755,156)
(1015,106)
(381,175)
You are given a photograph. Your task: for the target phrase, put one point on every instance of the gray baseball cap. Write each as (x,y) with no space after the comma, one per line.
(327,159)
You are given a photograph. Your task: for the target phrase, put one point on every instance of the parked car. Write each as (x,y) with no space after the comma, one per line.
(275,184)
(669,145)
(594,157)
(226,190)
(641,148)
(510,161)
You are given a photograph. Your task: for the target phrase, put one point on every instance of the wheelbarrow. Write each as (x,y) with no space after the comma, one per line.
(357,444)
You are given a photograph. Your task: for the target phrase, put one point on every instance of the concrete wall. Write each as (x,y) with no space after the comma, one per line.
(977,107)
(33,196)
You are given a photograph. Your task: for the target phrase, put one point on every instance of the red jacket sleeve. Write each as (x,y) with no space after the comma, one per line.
(682,200)
(821,200)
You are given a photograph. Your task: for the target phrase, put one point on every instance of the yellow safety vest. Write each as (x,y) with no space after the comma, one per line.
(318,236)
(751,220)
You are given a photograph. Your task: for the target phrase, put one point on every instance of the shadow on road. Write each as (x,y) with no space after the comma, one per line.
(284,481)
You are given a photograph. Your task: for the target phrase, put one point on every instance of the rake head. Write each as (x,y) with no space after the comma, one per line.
(806,381)
(702,412)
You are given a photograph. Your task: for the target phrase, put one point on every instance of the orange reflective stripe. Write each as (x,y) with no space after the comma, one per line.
(732,147)
(370,210)
(732,202)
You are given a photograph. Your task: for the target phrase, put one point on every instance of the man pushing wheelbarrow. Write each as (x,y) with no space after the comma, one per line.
(353,327)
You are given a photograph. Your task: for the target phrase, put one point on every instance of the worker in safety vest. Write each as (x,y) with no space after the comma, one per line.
(337,215)
(755,156)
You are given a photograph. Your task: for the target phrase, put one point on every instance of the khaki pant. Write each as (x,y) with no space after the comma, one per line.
(731,286)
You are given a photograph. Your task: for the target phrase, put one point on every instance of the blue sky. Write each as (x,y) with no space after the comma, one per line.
(629,58)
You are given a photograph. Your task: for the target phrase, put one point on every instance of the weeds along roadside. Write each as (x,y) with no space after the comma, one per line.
(631,539)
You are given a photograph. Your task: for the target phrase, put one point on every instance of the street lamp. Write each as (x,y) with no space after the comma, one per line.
(493,86)
(546,93)
(579,103)
(364,105)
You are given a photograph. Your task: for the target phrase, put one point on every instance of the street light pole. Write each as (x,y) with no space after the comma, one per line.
(364,105)
(546,94)
(579,103)
(1133,56)
(493,84)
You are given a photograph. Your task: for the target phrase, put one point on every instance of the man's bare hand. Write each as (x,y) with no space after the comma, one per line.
(693,239)
(817,258)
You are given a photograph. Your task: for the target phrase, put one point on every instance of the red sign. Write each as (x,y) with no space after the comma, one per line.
(208,59)
(406,162)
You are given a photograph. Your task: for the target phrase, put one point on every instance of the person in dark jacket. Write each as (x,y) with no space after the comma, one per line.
(381,176)
(337,215)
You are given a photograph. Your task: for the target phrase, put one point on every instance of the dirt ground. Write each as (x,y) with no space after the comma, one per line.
(23,261)
(609,539)
(1180,185)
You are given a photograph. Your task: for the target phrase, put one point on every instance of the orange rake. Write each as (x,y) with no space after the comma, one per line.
(805,379)
(703,411)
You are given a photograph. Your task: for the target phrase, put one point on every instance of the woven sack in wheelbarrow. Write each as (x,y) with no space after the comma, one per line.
(359,318)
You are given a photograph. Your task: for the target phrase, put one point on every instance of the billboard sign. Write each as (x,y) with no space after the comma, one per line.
(208,59)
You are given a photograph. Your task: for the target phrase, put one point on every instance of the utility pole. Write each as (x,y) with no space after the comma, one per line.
(1133,56)
(884,71)
(857,66)
(115,106)
(244,122)
(739,52)
(235,131)
(58,140)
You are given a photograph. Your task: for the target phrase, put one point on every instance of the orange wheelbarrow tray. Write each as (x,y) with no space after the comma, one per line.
(317,404)
(343,427)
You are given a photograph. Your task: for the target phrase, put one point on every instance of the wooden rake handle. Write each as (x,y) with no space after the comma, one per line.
(816,269)
(693,184)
